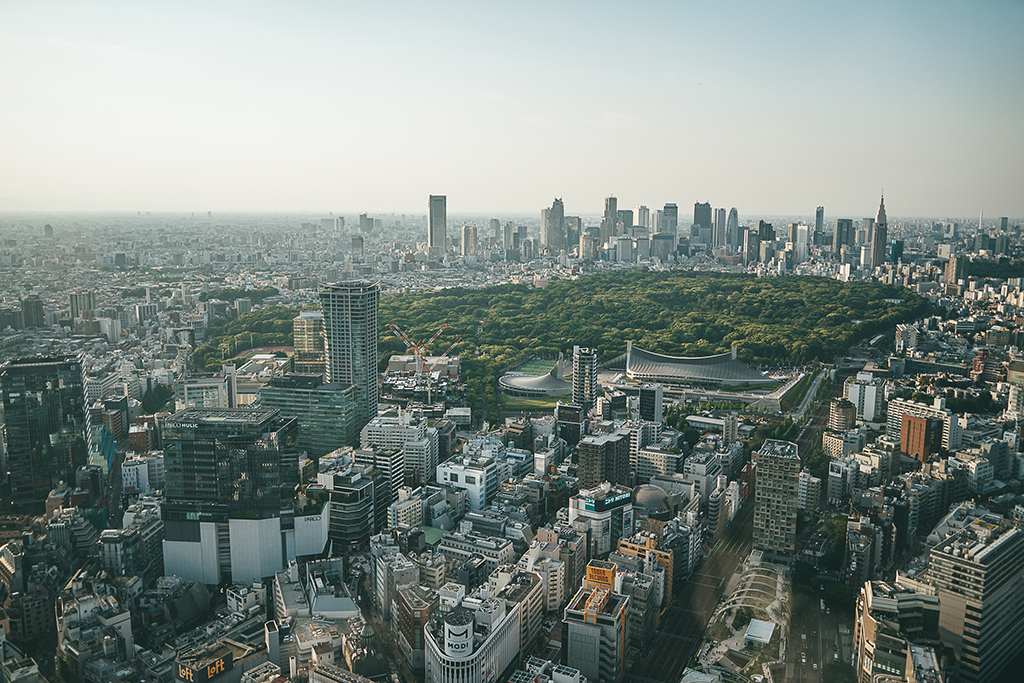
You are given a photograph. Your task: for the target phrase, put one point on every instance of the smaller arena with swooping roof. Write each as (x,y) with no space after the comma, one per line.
(719,370)
(550,384)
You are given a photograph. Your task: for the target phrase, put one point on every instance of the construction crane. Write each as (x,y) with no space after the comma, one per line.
(417,349)
(443,355)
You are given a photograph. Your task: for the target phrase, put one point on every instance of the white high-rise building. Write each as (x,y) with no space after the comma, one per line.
(350,341)
(866,392)
(408,433)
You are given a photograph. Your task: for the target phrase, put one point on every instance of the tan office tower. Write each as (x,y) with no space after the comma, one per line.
(978,574)
(775,497)
(308,333)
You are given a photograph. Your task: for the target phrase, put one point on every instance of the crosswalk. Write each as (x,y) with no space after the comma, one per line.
(741,547)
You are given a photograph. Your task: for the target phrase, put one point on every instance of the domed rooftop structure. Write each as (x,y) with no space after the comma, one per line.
(546,385)
(652,501)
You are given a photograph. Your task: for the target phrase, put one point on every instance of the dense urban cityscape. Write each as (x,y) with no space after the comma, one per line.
(254,448)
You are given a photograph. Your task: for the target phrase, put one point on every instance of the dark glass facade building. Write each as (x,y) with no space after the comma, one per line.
(47,425)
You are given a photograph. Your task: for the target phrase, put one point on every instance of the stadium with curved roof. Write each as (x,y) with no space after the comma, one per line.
(550,384)
(722,369)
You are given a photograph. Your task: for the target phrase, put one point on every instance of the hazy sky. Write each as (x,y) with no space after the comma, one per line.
(772,107)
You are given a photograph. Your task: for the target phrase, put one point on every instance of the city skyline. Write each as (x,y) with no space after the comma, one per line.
(214,108)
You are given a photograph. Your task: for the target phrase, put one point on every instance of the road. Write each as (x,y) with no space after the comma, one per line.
(828,636)
(810,436)
(682,627)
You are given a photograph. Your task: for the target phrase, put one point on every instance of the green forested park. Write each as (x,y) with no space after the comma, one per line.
(774,321)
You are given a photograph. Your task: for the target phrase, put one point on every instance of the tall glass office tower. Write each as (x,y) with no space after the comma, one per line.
(47,425)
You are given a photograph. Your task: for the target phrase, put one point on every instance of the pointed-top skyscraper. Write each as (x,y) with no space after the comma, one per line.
(879,236)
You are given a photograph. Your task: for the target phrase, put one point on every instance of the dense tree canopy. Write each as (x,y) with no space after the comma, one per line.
(271,326)
(254,295)
(775,321)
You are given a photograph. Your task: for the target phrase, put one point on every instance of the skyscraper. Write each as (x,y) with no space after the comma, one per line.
(350,335)
(584,377)
(32,312)
(956,270)
(624,221)
(819,219)
(844,236)
(718,238)
(468,240)
(978,572)
(879,236)
(308,336)
(438,222)
(324,411)
(643,216)
(669,219)
(47,434)
(229,473)
(554,237)
(702,215)
(81,303)
(775,497)
(732,229)
(610,218)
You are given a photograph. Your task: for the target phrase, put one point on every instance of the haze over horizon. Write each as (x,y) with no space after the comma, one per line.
(347,107)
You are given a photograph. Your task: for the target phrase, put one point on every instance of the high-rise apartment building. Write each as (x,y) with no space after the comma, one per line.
(308,333)
(978,574)
(604,457)
(775,497)
(409,433)
(350,341)
(325,411)
(47,425)
(584,377)
(879,236)
(437,226)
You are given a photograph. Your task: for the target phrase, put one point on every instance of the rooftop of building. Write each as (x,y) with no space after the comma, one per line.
(780,449)
(980,541)
(255,416)
(722,368)
(599,600)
